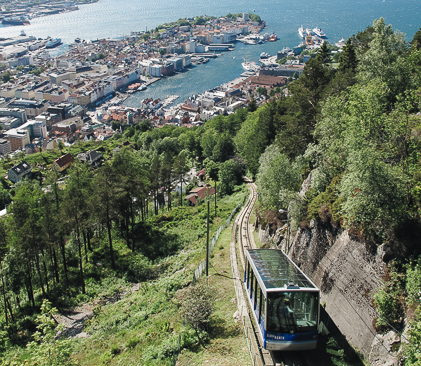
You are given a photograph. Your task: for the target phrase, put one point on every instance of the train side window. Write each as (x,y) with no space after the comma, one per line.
(262,311)
(251,284)
(257,296)
(248,274)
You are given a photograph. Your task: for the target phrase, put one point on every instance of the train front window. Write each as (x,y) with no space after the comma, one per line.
(292,311)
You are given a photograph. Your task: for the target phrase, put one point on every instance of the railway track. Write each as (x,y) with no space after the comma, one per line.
(242,239)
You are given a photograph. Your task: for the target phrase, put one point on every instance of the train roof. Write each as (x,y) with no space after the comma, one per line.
(277,271)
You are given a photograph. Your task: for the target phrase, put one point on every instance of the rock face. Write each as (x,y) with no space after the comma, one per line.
(348,272)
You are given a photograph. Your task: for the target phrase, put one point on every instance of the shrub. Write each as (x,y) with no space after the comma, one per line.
(132,342)
(115,350)
(389,301)
(413,282)
(196,306)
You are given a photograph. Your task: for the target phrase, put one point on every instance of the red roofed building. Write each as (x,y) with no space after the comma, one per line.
(200,192)
(63,162)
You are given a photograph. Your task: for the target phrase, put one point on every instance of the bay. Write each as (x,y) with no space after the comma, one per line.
(115,18)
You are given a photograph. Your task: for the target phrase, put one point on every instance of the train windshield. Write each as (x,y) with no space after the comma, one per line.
(292,311)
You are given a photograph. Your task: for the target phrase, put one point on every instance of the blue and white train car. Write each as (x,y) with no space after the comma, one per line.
(285,302)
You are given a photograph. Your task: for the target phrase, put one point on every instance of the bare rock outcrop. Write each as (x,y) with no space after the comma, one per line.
(348,273)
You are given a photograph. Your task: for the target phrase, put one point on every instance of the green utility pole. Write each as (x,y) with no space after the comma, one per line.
(207,246)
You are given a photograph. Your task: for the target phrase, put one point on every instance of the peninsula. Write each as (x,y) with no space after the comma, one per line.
(80,94)
(17,12)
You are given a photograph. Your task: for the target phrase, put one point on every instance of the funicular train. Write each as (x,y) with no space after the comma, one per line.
(285,302)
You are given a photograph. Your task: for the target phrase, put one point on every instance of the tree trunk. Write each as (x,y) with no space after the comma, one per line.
(89,239)
(4,295)
(46,272)
(55,265)
(41,280)
(200,339)
(85,246)
(79,245)
(29,287)
(63,253)
(142,208)
(181,190)
(111,243)
(128,231)
(132,213)
(10,310)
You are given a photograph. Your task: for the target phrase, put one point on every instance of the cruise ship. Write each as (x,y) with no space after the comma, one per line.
(318,32)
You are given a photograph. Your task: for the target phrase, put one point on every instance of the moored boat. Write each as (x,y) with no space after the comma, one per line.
(250,66)
(318,32)
(302,32)
(15,21)
(53,43)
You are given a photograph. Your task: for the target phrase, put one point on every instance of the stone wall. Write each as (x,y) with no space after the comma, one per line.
(347,272)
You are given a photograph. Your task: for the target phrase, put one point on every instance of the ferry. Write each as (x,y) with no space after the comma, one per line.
(53,43)
(302,32)
(318,32)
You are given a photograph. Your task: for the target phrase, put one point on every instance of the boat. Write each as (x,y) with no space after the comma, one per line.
(318,32)
(341,43)
(264,55)
(53,43)
(250,66)
(15,21)
(309,32)
(273,38)
(302,32)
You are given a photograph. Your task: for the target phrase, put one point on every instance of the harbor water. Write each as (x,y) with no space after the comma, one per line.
(115,18)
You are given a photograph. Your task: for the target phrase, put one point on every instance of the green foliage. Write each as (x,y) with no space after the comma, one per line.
(412,348)
(327,204)
(372,193)
(262,91)
(6,77)
(45,350)
(5,197)
(384,59)
(389,301)
(229,175)
(196,306)
(278,179)
(200,21)
(413,282)
(416,41)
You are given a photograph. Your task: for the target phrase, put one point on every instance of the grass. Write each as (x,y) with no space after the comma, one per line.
(145,327)
(227,344)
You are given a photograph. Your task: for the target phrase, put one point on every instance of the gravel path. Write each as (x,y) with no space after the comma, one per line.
(74,319)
